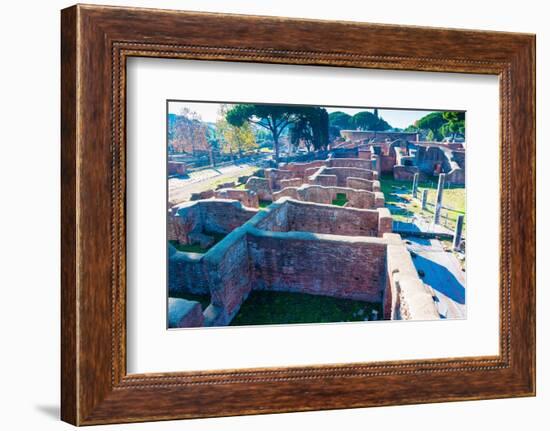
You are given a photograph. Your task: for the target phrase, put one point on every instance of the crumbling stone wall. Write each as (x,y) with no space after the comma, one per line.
(310,217)
(213,215)
(342,174)
(292,182)
(300,170)
(361,184)
(184,314)
(177,168)
(247,197)
(227,268)
(332,266)
(261,187)
(350,163)
(325,195)
(274,177)
(406,296)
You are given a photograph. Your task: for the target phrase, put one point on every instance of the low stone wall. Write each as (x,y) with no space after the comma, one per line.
(227,270)
(184,314)
(186,273)
(212,215)
(197,196)
(342,174)
(406,296)
(300,170)
(292,182)
(177,168)
(406,173)
(247,197)
(274,177)
(326,195)
(350,163)
(330,219)
(361,184)
(342,267)
(261,187)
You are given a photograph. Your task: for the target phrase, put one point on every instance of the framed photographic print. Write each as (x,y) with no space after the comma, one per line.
(264,215)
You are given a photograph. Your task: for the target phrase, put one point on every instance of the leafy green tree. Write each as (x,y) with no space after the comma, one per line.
(366,120)
(440,124)
(311,129)
(340,120)
(275,118)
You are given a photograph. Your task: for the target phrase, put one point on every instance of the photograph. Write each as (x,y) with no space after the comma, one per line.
(283,214)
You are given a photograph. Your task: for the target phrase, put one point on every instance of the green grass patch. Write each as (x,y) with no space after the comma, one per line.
(264,204)
(240,187)
(398,197)
(340,200)
(277,308)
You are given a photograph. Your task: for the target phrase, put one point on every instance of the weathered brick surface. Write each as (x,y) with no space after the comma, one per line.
(342,174)
(406,297)
(177,168)
(247,197)
(362,184)
(338,267)
(309,217)
(300,170)
(350,163)
(274,177)
(213,215)
(186,273)
(260,186)
(184,314)
(207,194)
(228,272)
(292,182)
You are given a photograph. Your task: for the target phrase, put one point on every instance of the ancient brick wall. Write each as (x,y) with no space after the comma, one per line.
(361,184)
(185,273)
(184,314)
(179,226)
(223,216)
(300,170)
(177,168)
(213,215)
(275,219)
(309,217)
(292,182)
(227,268)
(247,197)
(343,173)
(302,262)
(406,297)
(274,177)
(406,173)
(350,163)
(260,186)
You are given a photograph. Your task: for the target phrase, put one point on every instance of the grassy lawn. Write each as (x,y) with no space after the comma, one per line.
(280,308)
(340,199)
(398,198)
(272,308)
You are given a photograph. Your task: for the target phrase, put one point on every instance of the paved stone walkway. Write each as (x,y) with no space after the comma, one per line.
(443,273)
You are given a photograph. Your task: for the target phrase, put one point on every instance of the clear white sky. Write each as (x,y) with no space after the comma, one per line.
(396,117)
